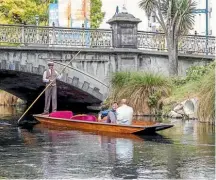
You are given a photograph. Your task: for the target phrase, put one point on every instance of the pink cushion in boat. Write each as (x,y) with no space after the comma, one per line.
(61,114)
(85,118)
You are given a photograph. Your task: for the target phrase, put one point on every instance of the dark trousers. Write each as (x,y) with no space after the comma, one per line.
(50,93)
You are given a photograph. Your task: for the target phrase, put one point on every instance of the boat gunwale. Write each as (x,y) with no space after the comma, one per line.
(100,123)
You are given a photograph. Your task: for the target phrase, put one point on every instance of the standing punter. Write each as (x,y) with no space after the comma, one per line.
(50,75)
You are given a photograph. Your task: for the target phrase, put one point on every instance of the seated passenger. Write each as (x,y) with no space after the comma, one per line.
(111,117)
(103,113)
(124,113)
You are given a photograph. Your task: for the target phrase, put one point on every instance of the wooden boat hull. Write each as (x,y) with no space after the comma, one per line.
(54,128)
(103,127)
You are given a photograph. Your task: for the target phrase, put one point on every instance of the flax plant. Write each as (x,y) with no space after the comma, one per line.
(206,108)
(143,91)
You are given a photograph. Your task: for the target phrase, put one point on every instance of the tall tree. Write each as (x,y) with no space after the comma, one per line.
(175,18)
(96,15)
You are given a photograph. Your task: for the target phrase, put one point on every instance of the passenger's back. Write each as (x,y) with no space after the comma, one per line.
(124,115)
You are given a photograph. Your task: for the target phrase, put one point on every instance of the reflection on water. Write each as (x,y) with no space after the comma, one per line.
(184,151)
(192,132)
(10,110)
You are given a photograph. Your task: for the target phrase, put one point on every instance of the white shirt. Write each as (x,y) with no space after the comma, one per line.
(59,76)
(124,114)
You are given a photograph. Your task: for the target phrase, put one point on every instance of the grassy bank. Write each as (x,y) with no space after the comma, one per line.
(189,86)
(199,83)
(150,93)
(206,110)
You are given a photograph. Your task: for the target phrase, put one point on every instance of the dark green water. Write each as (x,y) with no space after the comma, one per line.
(186,151)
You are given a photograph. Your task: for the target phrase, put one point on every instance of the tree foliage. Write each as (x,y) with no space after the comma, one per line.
(175,17)
(194,73)
(24,11)
(96,15)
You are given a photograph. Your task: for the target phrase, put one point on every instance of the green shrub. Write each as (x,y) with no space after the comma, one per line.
(193,73)
(196,72)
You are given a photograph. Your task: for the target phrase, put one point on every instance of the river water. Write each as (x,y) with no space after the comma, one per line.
(186,151)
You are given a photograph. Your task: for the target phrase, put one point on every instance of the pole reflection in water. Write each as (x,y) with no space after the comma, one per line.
(27,136)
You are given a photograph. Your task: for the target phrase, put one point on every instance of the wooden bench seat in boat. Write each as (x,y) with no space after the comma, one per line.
(69,115)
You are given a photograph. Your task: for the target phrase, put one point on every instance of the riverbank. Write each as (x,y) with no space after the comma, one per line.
(190,97)
(193,96)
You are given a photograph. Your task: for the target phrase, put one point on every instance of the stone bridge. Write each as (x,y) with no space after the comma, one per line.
(21,74)
(25,50)
(86,79)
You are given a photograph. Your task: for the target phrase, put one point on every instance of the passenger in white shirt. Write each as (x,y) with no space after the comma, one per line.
(124,113)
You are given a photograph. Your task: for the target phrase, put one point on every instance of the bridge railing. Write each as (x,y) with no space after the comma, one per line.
(26,35)
(55,36)
(190,44)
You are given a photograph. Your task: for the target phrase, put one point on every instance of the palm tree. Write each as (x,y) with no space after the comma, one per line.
(175,18)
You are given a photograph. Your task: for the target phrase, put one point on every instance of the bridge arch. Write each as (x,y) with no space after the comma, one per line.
(23,78)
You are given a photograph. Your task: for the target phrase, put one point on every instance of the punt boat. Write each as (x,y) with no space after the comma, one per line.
(90,123)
